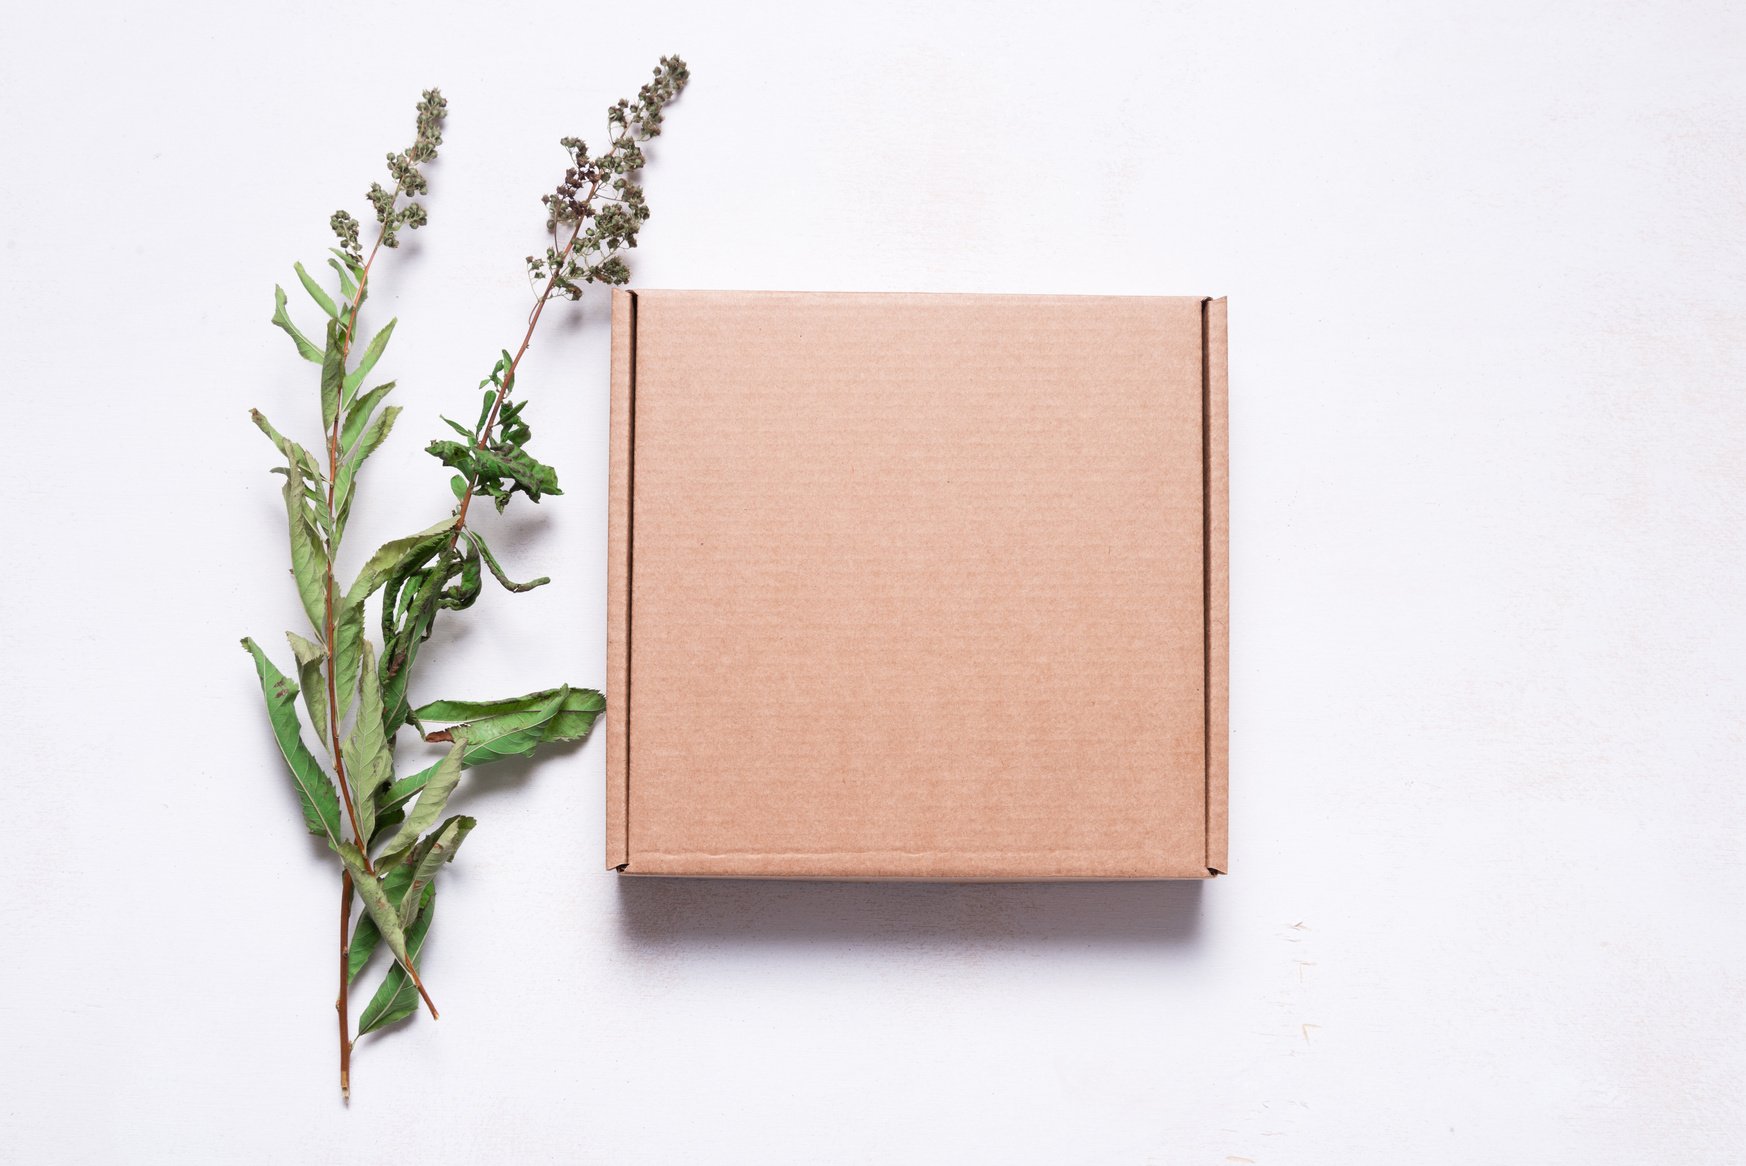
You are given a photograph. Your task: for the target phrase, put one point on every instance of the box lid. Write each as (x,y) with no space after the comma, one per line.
(917,586)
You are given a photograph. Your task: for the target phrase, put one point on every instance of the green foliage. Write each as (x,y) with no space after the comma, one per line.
(372,353)
(389,558)
(311,659)
(282,318)
(315,792)
(498,729)
(369,764)
(392,837)
(515,727)
(396,999)
(359,413)
(410,601)
(310,560)
(503,580)
(428,857)
(383,912)
(493,459)
(316,292)
(365,937)
(433,798)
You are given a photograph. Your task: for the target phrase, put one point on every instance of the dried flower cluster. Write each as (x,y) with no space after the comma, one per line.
(598,203)
(408,181)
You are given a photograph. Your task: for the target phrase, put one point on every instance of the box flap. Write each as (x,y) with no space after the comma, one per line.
(1218,589)
(618,572)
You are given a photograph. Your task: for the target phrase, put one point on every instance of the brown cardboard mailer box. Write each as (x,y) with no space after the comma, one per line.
(917,586)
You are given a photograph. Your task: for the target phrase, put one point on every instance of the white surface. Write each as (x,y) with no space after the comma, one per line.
(1486,272)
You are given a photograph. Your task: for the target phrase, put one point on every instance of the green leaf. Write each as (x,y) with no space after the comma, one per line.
(333,373)
(512,730)
(390,558)
(295,454)
(321,298)
(348,286)
(457,455)
(499,472)
(467,589)
(348,638)
(501,728)
(369,764)
(405,604)
(355,266)
(511,429)
(309,562)
(282,318)
(432,800)
(372,354)
(397,999)
(497,570)
(358,415)
(387,821)
(315,790)
(410,602)
(381,909)
(309,660)
(513,727)
(372,438)
(365,936)
(429,857)
(534,477)
(346,480)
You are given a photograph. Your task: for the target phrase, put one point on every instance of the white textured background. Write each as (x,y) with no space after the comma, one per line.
(1486,265)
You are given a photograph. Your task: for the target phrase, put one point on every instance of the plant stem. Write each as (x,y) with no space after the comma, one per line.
(515,363)
(333,715)
(341,1005)
(333,436)
(345,961)
(332,689)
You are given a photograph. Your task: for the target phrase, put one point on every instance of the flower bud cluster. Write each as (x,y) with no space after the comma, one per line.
(404,168)
(598,207)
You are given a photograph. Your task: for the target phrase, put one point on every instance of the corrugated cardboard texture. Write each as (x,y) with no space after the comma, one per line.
(1218,590)
(618,566)
(916,586)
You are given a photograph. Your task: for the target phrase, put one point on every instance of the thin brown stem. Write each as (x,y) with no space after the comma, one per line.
(423,995)
(345,967)
(533,320)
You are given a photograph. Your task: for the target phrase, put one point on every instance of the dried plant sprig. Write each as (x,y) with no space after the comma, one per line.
(408,178)
(390,833)
(598,203)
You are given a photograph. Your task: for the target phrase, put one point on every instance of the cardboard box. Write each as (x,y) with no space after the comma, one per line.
(917,586)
